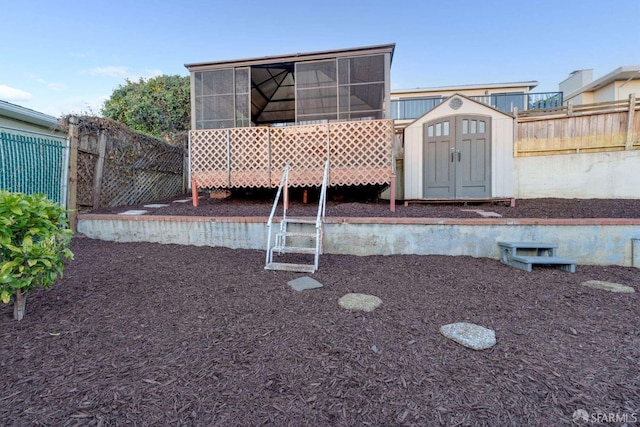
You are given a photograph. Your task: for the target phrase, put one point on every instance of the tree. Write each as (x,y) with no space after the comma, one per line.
(159,106)
(34,241)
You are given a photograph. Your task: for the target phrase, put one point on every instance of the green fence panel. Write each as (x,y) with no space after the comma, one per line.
(34,163)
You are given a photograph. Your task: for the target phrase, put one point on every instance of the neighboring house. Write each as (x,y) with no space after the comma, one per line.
(408,105)
(580,88)
(17,117)
(34,153)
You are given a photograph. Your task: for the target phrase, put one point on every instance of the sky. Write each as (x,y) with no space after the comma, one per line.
(61,57)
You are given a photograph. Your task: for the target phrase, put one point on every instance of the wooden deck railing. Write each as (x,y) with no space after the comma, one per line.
(360,152)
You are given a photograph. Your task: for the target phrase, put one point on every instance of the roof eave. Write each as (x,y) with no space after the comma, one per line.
(296,57)
(620,73)
(529,84)
(27,115)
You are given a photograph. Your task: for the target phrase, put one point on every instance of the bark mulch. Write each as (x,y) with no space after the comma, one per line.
(260,205)
(150,334)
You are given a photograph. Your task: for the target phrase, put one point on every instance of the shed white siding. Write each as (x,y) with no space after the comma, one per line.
(501,147)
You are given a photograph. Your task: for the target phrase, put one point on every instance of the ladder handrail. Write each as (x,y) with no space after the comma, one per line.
(283,181)
(320,216)
(285,178)
(323,195)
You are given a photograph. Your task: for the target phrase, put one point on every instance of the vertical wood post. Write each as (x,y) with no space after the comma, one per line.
(269,157)
(630,136)
(228,158)
(515,131)
(392,190)
(97,176)
(569,109)
(72,195)
(194,192)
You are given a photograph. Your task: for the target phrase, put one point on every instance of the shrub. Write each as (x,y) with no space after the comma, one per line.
(34,240)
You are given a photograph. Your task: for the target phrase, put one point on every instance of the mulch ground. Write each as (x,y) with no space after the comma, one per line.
(150,334)
(259,204)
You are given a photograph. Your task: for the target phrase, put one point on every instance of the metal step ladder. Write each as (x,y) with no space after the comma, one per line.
(296,235)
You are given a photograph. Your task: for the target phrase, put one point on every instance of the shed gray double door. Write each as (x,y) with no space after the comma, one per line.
(457,157)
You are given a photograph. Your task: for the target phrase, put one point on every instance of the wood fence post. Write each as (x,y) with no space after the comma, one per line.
(72,195)
(569,109)
(228,158)
(392,189)
(97,176)
(269,157)
(630,136)
(515,131)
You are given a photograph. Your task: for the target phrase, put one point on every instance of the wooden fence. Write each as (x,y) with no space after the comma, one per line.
(604,126)
(115,166)
(360,152)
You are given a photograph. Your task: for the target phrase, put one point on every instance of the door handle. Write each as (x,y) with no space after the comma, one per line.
(452,156)
(459,155)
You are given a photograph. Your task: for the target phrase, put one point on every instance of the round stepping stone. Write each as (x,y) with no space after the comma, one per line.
(361,302)
(470,335)
(609,286)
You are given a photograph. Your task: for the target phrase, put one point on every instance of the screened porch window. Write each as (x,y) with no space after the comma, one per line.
(222,98)
(314,91)
(340,89)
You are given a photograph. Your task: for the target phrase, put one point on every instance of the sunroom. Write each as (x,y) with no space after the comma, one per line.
(250,117)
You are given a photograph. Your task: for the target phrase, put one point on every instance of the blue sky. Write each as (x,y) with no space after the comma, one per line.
(60,57)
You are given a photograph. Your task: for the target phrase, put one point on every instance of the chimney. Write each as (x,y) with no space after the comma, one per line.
(575,81)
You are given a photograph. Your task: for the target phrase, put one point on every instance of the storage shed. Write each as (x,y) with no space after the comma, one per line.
(461,149)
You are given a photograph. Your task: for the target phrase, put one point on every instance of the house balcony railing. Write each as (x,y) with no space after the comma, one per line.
(412,108)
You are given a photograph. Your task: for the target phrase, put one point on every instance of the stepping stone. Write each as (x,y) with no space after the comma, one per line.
(609,286)
(156,205)
(482,213)
(489,214)
(133,212)
(361,302)
(182,201)
(470,335)
(304,283)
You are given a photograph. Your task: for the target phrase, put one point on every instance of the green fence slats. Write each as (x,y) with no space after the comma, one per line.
(33,163)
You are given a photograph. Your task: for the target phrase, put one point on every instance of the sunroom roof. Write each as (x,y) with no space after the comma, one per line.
(294,57)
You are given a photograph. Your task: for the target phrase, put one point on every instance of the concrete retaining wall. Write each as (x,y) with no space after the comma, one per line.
(589,241)
(604,175)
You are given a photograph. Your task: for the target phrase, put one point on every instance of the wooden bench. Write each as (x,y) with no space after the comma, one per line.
(524,255)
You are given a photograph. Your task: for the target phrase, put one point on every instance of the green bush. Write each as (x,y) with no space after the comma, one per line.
(34,240)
